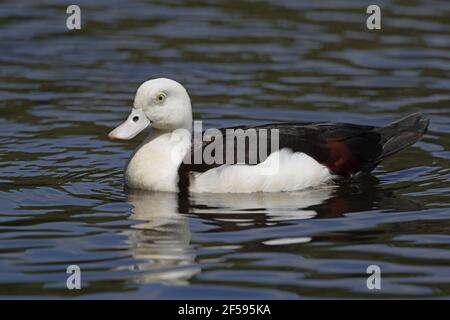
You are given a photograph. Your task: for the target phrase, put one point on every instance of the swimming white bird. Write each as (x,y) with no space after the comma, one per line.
(304,155)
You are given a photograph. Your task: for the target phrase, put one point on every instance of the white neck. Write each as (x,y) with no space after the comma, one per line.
(154,165)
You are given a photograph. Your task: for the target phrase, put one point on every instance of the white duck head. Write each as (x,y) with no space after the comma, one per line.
(162,104)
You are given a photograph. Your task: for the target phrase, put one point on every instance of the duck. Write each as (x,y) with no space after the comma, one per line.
(298,155)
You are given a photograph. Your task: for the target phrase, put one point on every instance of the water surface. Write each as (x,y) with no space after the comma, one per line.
(244,62)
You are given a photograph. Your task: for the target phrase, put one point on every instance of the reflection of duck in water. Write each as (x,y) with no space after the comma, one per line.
(275,206)
(265,209)
(360,195)
(162,240)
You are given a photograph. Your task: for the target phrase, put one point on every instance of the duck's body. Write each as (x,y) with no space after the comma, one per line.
(305,155)
(158,165)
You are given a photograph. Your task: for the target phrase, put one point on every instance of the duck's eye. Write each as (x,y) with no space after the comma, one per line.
(135,119)
(160,97)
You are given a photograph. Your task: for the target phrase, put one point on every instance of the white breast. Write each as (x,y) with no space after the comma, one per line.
(154,166)
(281,171)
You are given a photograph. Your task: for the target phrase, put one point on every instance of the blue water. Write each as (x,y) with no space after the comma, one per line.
(62,200)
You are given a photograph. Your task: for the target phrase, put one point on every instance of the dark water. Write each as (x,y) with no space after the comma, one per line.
(61,188)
